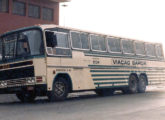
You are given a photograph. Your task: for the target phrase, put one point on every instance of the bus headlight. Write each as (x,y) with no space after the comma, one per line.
(30,80)
(3,83)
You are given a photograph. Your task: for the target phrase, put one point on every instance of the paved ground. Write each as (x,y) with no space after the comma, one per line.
(82,106)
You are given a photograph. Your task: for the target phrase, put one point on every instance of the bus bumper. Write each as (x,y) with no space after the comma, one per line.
(40,89)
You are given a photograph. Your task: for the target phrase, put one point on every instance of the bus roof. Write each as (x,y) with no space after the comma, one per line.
(46,26)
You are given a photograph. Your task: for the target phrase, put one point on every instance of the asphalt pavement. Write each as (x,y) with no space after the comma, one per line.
(88,106)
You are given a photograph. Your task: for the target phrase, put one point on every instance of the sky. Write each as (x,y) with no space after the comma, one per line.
(136,19)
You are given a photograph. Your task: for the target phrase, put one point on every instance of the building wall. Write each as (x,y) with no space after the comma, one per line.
(9,21)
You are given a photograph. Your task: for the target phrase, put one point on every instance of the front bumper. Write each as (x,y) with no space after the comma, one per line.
(22,84)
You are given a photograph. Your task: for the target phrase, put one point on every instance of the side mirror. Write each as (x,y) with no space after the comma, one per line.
(51,39)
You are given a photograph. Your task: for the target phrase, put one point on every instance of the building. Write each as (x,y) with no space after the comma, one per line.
(21,13)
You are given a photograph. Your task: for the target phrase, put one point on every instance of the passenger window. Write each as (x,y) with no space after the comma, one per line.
(159,50)
(95,42)
(80,40)
(140,48)
(128,46)
(76,41)
(84,40)
(98,43)
(62,40)
(150,50)
(114,44)
(102,43)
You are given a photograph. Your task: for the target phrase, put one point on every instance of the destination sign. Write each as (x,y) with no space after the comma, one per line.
(128,62)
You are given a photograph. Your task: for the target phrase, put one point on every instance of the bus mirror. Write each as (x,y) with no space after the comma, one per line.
(51,39)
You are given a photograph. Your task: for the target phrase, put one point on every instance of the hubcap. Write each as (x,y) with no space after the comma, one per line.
(133,84)
(59,88)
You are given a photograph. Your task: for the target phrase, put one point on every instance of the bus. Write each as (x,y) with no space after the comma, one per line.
(53,61)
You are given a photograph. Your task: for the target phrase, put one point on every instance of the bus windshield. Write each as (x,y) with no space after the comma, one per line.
(21,44)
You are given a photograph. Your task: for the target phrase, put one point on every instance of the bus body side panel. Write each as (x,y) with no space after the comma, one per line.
(40,69)
(76,67)
(95,72)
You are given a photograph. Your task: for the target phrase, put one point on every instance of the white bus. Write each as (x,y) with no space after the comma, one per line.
(48,60)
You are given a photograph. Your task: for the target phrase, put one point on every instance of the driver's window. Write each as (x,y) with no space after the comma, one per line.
(57,43)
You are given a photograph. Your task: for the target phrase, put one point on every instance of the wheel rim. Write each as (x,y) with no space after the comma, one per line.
(143,83)
(59,89)
(133,83)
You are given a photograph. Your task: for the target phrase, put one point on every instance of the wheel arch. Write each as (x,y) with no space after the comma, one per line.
(134,75)
(67,77)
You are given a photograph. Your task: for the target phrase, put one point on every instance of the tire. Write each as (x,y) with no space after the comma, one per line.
(105,92)
(60,90)
(26,96)
(142,84)
(133,86)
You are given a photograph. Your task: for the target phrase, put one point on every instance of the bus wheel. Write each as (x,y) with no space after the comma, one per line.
(132,84)
(60,90)
(26,96)
(142,84)
(104,92)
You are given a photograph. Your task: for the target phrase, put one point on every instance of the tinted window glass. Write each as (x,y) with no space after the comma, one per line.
(84,40)
(34,11)
(18,8)
(95,42)
(47,14)
(127,46)
(4,5)
(114,44)
(150,50)
(159,51)
(62,40)
(140,48)
(76,42)
(102,43)
(98,43)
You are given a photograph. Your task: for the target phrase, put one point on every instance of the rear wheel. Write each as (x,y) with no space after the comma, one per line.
(132,84)
(142,84)
(60,90)
(26,96)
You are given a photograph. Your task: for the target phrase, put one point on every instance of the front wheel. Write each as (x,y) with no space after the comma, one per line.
(26,96)
(60,90)
(142,84)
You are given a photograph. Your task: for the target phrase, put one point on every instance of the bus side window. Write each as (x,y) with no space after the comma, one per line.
(159,51)
(51,39)
(98,43)
(140,48)
(150,50)
(128,46)
(114,44)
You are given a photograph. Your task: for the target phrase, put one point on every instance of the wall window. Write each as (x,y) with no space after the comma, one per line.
(114,44)
(34,11)
(4,5)
(150,50)
(159,50)
(98,43)
(128,46)
(19,8)
(140,48)
(80,40)
(47,14)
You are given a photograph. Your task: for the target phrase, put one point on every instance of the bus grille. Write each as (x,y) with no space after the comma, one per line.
(18,82)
